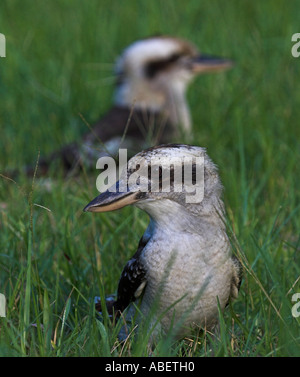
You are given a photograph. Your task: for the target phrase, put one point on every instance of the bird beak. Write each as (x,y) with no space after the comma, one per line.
(207,63)
(110,201)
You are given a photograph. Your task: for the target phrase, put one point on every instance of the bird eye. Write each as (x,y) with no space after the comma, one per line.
(174,58)
(156,66)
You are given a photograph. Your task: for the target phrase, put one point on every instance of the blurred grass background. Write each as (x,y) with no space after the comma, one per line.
(53,258)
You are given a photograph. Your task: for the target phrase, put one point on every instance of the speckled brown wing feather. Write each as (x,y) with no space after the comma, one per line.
(131,283)
(141,127)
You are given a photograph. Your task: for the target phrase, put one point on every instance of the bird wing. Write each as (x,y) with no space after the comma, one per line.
(133,279)
(135,127)
(139,124)
(131,284)
(236,278)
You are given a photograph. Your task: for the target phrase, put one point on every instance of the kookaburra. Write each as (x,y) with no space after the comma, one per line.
(150,107)
(183,264)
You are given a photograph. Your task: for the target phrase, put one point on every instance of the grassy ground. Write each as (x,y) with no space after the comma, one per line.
(54,258)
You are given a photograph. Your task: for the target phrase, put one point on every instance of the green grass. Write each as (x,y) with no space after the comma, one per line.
(54,258)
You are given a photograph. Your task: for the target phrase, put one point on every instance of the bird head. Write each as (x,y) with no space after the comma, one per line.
(154,73)
(164,180)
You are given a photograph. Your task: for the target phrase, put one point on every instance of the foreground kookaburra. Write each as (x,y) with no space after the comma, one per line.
(183,263)
(150,105)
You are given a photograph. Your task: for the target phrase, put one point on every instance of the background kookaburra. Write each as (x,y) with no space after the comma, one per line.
(183,262)
(150,105)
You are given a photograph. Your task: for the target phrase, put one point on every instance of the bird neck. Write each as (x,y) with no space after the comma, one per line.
(169,100)
(172,217)
(138,94)
(177,108)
